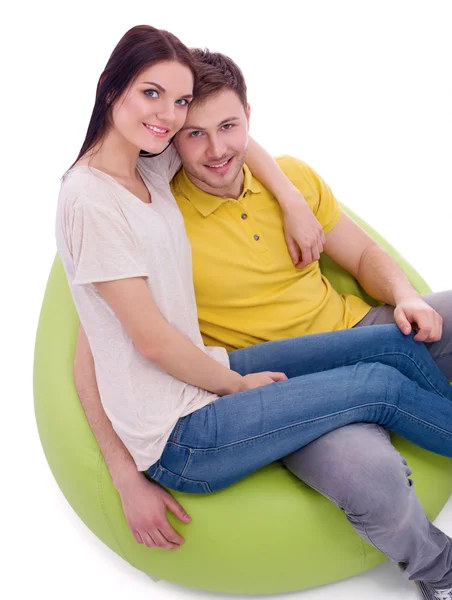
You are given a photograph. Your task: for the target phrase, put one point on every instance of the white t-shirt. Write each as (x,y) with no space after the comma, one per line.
(104,232)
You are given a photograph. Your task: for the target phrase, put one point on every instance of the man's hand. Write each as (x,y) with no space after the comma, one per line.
(427,322)
(145,504)
(304,234)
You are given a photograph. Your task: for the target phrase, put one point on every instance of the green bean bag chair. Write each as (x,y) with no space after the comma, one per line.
(266,534)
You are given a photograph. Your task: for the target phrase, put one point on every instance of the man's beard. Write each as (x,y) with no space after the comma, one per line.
(212,181)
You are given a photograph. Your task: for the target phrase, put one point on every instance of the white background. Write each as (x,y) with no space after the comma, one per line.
(359,90)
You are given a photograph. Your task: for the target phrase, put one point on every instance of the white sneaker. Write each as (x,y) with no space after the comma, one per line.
(429,593)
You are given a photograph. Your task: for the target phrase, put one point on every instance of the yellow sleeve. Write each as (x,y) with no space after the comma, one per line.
(315,191)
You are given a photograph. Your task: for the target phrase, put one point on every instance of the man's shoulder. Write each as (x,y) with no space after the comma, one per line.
(175,183)
(289,161)
(298,172)
(293,164)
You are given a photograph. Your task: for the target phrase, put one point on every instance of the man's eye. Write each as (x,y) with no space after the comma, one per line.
(227,126)
(195,133)
(152,93)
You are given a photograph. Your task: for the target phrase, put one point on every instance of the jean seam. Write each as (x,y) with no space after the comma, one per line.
(373,356)
(158,474)
(425,424)
(187,463)
(367,534)
(338,504)
(324,493)
(178,429)
(203,483)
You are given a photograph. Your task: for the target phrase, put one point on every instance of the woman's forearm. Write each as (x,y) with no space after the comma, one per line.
(161,343)
(265,168)
(174,353)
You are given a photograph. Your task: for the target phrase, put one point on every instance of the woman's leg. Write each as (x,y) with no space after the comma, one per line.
(385,344)
(240,433)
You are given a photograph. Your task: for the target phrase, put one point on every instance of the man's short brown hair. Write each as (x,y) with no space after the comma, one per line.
(217,72)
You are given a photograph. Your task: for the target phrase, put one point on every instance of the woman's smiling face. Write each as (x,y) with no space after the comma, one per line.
(154,106)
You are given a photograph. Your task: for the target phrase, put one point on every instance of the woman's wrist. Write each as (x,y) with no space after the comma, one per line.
(290,198)
(233,384)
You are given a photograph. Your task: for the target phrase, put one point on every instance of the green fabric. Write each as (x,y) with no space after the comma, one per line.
(267,534)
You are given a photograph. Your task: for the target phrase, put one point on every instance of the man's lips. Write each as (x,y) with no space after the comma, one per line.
(220,166)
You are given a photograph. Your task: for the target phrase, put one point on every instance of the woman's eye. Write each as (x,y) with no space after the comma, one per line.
(151,93)
(182,102)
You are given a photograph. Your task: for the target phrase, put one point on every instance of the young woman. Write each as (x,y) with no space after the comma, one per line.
(193,417)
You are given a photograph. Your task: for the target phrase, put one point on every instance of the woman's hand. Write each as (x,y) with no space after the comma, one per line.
(304,234)
(254,380)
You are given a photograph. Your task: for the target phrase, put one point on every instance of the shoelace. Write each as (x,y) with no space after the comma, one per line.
(443,594)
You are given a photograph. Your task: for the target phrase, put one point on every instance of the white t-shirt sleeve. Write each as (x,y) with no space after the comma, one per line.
(166,164)
(103,245)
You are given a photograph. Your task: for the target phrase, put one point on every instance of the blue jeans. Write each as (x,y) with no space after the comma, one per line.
(369,374)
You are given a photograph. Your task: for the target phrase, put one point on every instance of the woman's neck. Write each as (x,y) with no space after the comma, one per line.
(114,156)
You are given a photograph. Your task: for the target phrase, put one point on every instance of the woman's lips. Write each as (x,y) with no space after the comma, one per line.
(160,132)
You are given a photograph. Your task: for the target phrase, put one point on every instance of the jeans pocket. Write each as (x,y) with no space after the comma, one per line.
(180,484)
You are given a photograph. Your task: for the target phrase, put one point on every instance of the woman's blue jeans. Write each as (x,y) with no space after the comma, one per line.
(370,374)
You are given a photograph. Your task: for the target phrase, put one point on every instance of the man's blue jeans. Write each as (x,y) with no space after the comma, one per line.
(369,374)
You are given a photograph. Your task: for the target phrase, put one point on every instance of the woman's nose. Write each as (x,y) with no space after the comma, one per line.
(166,113)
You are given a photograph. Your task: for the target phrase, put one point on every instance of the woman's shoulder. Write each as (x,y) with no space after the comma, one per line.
(83,183)
(164,165)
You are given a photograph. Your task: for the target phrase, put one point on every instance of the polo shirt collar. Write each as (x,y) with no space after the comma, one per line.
(206,203)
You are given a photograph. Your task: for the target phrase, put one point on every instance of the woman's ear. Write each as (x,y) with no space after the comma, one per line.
(111,94)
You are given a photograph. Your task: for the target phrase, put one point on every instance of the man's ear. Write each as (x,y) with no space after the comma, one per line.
(247,112)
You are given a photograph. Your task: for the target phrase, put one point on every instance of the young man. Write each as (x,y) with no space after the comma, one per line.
(249,291)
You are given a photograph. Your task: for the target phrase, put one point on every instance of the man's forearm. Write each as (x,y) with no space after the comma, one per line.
(382,278)
(119,461)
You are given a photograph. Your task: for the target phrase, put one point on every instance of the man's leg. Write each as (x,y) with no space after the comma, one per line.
(440,351)
(363,474)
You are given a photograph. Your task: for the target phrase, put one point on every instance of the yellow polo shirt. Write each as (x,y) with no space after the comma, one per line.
(247,288)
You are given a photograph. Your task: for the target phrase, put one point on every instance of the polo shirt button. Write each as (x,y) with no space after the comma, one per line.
(244,195)
(244,216)
(256,237)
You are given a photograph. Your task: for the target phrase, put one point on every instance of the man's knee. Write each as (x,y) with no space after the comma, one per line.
(382,493)
(356,467)
(441,351)
(442,303)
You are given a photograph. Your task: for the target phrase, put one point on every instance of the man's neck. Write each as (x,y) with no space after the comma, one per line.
(233,190)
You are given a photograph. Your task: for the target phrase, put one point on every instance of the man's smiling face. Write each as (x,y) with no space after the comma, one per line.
(213,143)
